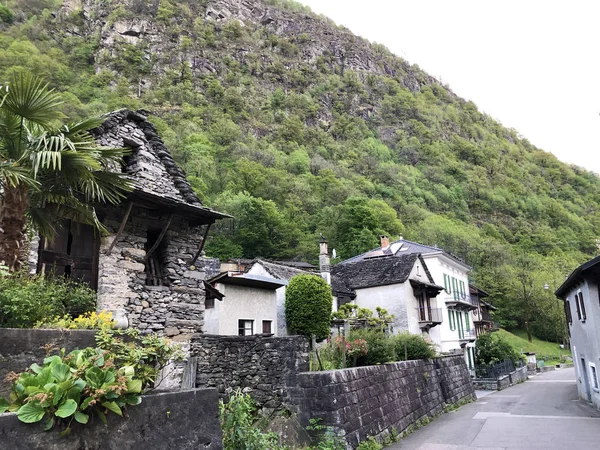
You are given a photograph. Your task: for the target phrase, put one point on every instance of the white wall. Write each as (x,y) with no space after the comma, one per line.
(585,338)
(282,330)
(439,265)
(241,303)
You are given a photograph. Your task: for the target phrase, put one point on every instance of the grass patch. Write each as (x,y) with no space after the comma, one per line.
(550,352)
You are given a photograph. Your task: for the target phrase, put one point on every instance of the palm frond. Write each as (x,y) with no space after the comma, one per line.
(13,175)
(30,98)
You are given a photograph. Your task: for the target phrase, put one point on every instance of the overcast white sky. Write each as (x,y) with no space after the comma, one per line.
(533,65)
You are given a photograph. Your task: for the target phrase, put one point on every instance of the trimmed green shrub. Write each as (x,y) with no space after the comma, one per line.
(308,303)
(27,300)
(491,349)
(412,346)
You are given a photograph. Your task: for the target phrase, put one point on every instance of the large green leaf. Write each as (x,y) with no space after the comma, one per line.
(3,405)
(132,399)
(85,403)
(49,424)
(81,417)
(36,368)
(112,406)
(134,386)
(66,409)
(30,413)
(61,372)
(94,376)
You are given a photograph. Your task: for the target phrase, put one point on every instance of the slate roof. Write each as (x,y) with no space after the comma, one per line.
(278,270)
(590,268)
(399,248)
(158,179)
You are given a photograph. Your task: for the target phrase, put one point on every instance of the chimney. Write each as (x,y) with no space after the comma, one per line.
(385,241)
(324,261)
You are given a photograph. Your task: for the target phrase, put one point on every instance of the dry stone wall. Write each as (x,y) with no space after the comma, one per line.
(371,401)
(263,366)
(174,309)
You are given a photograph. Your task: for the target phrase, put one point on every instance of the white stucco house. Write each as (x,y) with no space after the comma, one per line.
(241,304)
(453,305)
(580,293)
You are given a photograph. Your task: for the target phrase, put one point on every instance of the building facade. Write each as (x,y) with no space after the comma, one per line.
(580,294)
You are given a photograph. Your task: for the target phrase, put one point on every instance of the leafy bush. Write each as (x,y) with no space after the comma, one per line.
(239,430)
(27,300)
(491,349)
(308,303)
(68,388)
(87,321)
(380,346)
(409,346)
(363,316)
(148,354)
(327,439)
(6,15)
(332,354)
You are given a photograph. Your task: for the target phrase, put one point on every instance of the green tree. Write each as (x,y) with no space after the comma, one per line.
(308,303)
(48,172)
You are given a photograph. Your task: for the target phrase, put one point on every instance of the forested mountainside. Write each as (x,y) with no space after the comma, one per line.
(297,127)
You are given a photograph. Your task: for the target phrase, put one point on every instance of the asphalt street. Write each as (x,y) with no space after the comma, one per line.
(543,413)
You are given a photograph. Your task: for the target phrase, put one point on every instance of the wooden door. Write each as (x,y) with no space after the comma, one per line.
(73,253)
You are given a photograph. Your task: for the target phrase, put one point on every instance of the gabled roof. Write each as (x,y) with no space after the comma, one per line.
(247,280)
(158,179)
(590,268)
(381,271)
(402,247)
(277,270)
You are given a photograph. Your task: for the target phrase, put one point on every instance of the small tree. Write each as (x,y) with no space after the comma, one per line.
(308,303)
(491,349)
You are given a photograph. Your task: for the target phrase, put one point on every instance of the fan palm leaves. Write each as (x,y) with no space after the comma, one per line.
(49,172)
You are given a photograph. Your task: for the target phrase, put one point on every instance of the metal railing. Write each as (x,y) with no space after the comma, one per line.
(482,316)
(464,299)
(494,370)
(430,314)
(468,334)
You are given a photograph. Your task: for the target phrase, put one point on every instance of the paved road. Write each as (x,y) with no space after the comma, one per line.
(540,414)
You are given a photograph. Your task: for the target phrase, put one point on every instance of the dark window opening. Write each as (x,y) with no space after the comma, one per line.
(568,312)
(209,303)
(155,264)
(582,306)
(266,327)
(73,253)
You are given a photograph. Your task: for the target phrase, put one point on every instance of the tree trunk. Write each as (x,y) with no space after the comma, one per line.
(15,202)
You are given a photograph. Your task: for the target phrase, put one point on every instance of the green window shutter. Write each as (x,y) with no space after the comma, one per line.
(447,283)
(470,353)
(467,324)
(460,325)
(454,288)
(462,289)
(450,319)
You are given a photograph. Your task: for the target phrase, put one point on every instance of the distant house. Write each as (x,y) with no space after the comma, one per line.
(580,293)
(402,285)
(453,305)
(482,316)
(242,304)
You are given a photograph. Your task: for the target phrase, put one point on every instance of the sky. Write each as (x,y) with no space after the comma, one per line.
(532,65)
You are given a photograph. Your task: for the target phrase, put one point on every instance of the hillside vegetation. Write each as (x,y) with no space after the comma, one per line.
(549,352)
(297,127)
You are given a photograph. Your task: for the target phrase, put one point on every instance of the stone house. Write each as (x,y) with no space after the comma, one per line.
(149,270)
(453,305)
(402,285)
(581,293)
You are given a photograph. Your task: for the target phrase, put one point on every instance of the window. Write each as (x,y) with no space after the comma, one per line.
(155,262)
(451,320)
(467,324)
(267,326)
(594,377)
(455,288)
(245,327)
(568,312)
(582,306)
(209,303)
(462,289)
(578,308)
(447,283)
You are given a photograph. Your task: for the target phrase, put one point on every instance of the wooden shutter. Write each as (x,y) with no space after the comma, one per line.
(578,308)
(447,283)
(266,327)
(582,306)
(568,312)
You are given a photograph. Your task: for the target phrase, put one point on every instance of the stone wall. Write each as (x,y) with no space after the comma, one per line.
(174,309)
(370,401)
(20,348)
(185,420)
(264,366)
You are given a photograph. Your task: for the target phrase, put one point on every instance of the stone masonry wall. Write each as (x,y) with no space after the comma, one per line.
(20,348)
(175,309)
(370,401)
(263,366)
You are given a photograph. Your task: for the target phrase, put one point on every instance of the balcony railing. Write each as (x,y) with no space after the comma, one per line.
(482,316)
(467,301)
(467,335)
(430,315)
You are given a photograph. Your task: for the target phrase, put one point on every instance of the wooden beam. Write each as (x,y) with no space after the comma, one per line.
(160,238)
(201,245)
(121,228)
